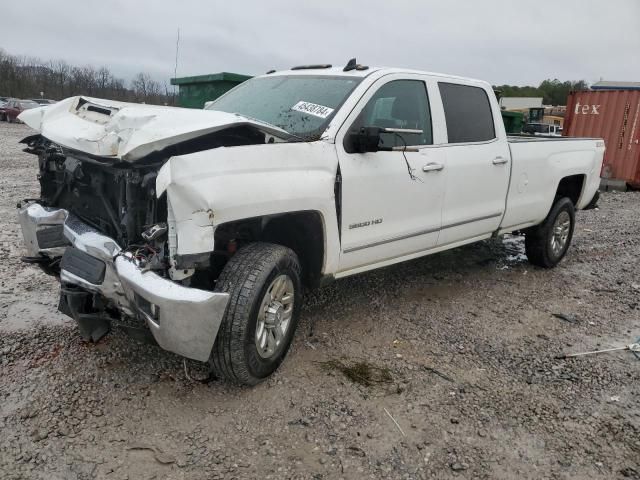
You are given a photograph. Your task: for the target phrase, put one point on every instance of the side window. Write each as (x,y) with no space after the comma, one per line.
(399,104)
(468,113)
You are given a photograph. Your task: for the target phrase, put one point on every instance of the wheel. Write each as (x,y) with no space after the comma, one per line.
(263,280)
(9,119)
(546,244)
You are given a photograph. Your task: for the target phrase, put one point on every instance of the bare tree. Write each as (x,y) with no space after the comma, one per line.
(26,77)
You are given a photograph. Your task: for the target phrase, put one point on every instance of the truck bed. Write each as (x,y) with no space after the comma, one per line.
(538,164)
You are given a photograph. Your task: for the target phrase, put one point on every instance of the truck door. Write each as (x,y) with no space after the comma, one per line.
(478,164)
(390,206)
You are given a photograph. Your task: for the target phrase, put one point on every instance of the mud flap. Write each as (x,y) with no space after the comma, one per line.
(594,202)
(73,303)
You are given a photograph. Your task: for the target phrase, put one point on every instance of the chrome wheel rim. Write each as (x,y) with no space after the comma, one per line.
(274,317)
(560,233)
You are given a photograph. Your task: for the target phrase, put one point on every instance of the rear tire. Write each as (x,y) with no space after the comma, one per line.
(546,244)
(263,280)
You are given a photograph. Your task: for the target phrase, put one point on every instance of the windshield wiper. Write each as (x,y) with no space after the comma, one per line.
(293,135)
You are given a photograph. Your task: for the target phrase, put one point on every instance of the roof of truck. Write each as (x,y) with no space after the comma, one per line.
(339,71)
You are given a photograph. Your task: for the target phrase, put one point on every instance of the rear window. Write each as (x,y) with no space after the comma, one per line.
(28,105)
(467,112)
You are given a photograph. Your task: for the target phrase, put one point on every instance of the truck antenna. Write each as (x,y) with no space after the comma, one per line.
(175,67)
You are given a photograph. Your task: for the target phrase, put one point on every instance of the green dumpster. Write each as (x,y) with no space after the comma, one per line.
(513,121)
(193,92)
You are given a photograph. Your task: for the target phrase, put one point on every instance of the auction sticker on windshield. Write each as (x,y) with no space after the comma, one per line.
(312,109)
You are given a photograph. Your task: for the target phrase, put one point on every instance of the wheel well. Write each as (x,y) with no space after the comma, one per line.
(302,232)
(571,187)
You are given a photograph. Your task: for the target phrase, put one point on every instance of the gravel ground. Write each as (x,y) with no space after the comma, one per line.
(468,338)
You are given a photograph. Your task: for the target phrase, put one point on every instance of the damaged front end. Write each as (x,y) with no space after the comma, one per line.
(100,226)
(100,281)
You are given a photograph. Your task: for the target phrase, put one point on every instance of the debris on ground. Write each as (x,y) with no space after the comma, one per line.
(158,454)
(633,347)
(395,422)
(566,317)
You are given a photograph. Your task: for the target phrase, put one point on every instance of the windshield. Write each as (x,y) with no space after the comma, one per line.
(302,105)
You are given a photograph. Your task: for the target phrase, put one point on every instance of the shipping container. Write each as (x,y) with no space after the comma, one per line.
(613,115)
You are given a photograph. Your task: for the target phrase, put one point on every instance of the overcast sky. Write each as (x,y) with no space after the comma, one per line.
(502,41)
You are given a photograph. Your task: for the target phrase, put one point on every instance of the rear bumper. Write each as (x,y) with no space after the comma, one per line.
(182,320)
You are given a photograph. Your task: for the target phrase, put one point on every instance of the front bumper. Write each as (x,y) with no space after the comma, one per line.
(182,320)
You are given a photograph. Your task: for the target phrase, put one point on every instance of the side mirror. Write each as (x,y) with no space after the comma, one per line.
(366,139)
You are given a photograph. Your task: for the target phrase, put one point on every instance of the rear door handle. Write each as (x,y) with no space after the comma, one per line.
(432,167)
(500,160)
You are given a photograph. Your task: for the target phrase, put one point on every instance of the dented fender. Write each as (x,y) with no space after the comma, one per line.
(209,188)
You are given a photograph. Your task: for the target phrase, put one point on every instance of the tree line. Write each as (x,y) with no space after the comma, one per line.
(553,92)
(27,77)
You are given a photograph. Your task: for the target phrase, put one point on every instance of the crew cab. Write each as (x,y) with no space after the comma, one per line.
(204,226)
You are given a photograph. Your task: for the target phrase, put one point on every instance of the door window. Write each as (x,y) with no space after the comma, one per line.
(399,104)
(467,112)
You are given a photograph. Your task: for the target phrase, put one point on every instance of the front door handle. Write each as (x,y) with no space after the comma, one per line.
(432,167)
(500,160)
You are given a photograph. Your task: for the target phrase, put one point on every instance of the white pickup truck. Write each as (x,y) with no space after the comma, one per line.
(205,225)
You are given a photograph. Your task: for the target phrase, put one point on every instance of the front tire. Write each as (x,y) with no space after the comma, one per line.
(546,244)
(263,280)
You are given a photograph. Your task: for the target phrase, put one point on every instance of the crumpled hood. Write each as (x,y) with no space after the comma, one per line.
(129,131)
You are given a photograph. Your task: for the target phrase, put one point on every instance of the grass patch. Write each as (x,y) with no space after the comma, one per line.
(360,372)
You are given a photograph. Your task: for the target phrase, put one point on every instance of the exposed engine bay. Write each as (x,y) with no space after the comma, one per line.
(119,198)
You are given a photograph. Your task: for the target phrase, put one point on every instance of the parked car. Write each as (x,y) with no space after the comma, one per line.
(543,129)
(3,109)
(15,107)
(325,173)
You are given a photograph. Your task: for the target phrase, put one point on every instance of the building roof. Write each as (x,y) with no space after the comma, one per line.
(214,77)
(608,85)
(516,103)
